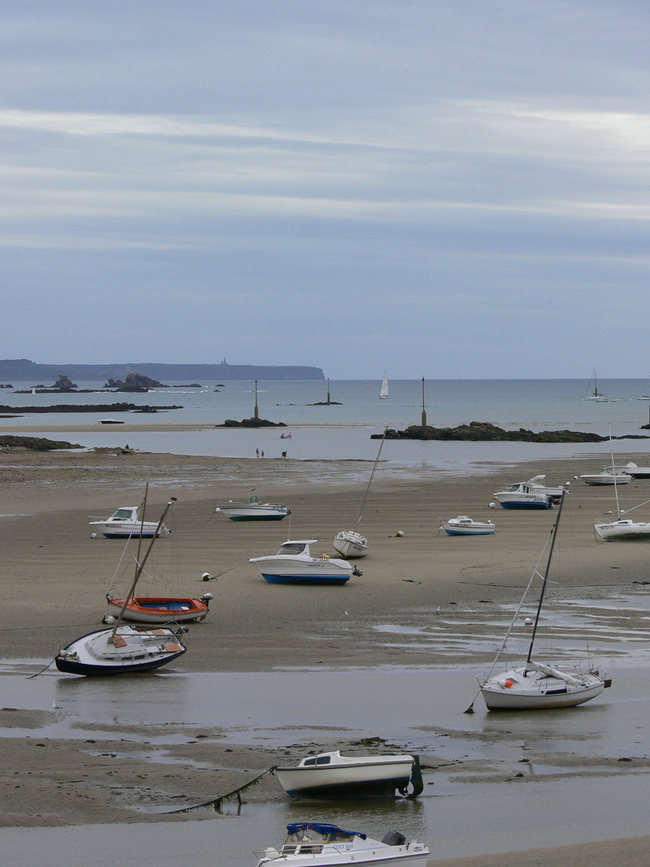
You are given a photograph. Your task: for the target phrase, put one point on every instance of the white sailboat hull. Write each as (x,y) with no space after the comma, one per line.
(623,529)
(350,544)
(132,650)
(606,478)
(378,776)
(464,526)
(543,687)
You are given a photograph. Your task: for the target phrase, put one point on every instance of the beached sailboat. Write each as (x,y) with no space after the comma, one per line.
(465,526)
(331,775)
(595,395)
(350,543)
(622,528)
(123,648)
(383,391)
(538,685)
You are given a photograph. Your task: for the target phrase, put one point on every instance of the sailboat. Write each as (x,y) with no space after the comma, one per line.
(539,685)
(351,543)
(123,649)
(596,395)
(383,391)
(622,528)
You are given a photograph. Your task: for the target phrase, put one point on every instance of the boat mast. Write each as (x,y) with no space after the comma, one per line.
(139,569)
(611,449)
(528,666)
(363,502)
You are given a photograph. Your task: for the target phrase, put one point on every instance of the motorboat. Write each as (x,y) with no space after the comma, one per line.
(253,510)
(110,421)
(633,470)
(125,522)
(293,564)
(606,477)
(310,844)
(350,544)
(464,526)
(539,685)
(159,609)
(331,775)
(523,495)
(125,649)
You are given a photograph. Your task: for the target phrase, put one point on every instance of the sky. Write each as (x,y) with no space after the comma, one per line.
(422,187)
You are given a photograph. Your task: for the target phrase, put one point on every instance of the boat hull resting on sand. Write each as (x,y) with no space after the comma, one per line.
(331,775)
(464,526)
(293,564)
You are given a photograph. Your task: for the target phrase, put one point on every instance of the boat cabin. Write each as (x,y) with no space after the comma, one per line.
(125,513)
(310,837)
(294,548)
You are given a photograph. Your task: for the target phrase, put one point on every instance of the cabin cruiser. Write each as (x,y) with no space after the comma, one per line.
(124,522)
(309,844)
(464,526)
(293,564)
(253,510)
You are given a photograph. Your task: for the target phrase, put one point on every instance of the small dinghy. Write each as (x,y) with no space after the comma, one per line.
(464,526)
(310,844)
(159,609)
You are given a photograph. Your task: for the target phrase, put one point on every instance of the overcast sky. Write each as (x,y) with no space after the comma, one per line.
(425,187)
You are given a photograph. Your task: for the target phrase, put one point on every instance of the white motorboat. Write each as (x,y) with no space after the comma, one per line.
(331,775)
(253,510)
(293,564)
(523,495)
(631,469)
(606,477)
(595,395)
(310,844)
(538,685)
(124,522)
(464,526)
(126,649)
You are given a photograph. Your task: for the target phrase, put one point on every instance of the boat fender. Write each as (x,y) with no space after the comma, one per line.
(509,683)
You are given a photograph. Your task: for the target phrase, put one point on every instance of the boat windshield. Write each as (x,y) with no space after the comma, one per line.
(291,548)
(311,835)
(123,515)
(317,760)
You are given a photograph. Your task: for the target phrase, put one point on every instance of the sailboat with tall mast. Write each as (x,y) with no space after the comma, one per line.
(595,395)
(351,543)
(123,648)
(622,528)
(383,391)
(539,685)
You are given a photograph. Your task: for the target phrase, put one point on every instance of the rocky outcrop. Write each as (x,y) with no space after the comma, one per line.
(134,382)
(39,444)
(484,431)
(251,422)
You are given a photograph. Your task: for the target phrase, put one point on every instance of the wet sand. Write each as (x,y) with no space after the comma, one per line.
(55,577)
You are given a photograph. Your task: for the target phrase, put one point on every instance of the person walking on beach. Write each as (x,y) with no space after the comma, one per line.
(257,453)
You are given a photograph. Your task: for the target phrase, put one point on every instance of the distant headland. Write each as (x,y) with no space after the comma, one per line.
(23,370)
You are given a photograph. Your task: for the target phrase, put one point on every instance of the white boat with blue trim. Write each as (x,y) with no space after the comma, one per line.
(125,522)
(294,564)
(465,526)
(310,844)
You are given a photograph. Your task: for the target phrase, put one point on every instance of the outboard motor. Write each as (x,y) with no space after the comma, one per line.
(394,838)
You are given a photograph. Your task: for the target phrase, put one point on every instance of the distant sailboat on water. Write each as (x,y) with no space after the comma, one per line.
(383,391)
(596,395)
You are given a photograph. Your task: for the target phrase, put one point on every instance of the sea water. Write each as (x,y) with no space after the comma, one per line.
(341,430)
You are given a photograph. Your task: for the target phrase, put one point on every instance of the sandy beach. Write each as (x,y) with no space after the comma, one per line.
(55,577)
